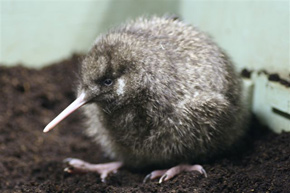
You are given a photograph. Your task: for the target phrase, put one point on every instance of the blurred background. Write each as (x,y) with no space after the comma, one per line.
(255,34)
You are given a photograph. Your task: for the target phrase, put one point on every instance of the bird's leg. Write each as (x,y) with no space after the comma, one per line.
(80,166)
(168,174)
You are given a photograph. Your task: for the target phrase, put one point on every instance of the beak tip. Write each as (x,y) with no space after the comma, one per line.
(80,101)
(45,130)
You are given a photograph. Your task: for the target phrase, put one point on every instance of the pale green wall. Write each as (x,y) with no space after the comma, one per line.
(254,33)
(38,32)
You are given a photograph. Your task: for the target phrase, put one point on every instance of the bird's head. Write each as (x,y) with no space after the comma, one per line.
(110,75)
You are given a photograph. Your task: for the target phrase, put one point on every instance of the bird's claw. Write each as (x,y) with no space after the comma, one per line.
(80,166)
(75,166)
(147,178)
(163,178)
(172,172)
(67,160)
(70,170)
(203,172)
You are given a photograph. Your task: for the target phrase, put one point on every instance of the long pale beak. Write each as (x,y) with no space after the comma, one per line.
(80,101)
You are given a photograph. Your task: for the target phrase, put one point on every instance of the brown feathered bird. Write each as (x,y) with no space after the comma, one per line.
(157,92)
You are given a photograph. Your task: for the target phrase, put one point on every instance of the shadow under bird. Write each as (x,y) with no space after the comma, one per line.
(157,93)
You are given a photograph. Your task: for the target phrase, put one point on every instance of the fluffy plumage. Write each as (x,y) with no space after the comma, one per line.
(161,93)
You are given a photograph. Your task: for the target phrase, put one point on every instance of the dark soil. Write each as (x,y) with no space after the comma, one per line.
(31,161)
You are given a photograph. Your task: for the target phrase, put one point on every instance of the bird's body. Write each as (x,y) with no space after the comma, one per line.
(160,92)
(179,101)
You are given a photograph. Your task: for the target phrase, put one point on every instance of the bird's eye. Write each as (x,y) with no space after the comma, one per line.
(108,82)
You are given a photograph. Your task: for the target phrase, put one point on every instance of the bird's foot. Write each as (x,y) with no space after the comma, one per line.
(168,174)
(80,166)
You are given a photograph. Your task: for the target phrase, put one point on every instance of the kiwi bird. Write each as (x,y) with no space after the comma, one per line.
(157,92)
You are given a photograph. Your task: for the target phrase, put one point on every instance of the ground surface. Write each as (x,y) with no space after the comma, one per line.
(31,161)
